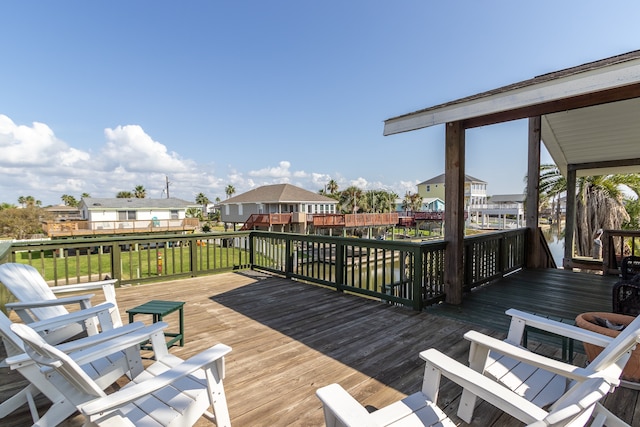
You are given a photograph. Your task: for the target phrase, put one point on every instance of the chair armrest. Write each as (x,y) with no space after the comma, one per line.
(83,286)
(82,343)
(73,317)
(564,369)
(552,326)
(339,404)
(88,354)
(86,299)
(144,388)
(483,387)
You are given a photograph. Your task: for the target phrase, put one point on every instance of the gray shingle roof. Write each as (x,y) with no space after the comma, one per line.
(278,193)
(507,198)
(440,180)
(133,203)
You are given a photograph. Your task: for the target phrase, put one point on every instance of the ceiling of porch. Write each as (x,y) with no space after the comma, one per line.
(590,114)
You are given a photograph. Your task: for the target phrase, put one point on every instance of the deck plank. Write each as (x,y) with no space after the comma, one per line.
(290,338)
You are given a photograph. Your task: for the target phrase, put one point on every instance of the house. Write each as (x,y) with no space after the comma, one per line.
(501,211)
(127,215)
(429,204)
(284,205)
(475,190)
(63,212)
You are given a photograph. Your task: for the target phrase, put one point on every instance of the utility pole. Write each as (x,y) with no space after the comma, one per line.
(167,181)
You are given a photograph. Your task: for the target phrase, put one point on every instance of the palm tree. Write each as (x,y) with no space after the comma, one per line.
(230,190)
(85,196)
(69,200)
(193,213)
(22,200)
(351,200)
(387,201)
(332,186)
(203,200)
(124,195)
(599,202)
(139,192)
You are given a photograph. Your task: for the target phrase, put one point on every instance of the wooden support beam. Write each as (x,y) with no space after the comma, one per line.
(570,221)
(454,211)
(533,195)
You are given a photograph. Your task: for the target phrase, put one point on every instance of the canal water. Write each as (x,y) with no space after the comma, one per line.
(555,239)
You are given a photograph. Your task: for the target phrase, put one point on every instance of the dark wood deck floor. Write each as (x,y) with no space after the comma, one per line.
(550,292)
(290,338)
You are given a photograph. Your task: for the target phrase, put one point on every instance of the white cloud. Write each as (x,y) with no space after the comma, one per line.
(36,145)
(359,182)
(280,171)
(130,147)
(33,161)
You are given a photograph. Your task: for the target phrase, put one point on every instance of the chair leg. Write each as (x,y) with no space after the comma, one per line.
(217,397)
(18,400)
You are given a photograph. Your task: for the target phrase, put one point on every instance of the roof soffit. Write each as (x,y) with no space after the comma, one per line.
(520,95)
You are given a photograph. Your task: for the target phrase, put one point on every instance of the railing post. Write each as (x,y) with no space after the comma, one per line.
(116,259)
(607,251)
(252,248)
(288,268)
(418,274)
(193,256)
(502,253)
(467,258)
(340,266)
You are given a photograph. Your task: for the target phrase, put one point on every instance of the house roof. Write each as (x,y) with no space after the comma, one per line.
(278,193)
(429,200)
(507,198)
(440,180)
(133,203)
(61,208)
(589,114)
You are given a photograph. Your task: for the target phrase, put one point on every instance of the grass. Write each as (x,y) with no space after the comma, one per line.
(142,263)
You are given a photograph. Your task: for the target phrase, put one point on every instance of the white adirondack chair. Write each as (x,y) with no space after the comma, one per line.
(170,392)
(38,301)
(576,408)
(104,371)
(539,379)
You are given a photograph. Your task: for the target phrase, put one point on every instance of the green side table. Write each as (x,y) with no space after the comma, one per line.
(159,309)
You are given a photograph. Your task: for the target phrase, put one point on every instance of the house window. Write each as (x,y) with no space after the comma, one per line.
(174,214)
(428,188)
(126,215)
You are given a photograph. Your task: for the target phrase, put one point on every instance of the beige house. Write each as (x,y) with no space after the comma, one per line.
(278,207)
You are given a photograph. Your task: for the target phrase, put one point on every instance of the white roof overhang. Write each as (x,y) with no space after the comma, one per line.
(590,114)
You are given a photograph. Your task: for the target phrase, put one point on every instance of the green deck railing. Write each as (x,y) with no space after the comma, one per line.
(398,272)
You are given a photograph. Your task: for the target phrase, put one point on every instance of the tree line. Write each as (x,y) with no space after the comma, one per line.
(353,200)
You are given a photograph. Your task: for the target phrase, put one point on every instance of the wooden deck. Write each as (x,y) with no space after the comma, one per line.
(290,338)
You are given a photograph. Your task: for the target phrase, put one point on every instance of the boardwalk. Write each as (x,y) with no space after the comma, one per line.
(290,338)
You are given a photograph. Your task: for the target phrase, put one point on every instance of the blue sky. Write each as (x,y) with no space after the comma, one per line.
(99,97)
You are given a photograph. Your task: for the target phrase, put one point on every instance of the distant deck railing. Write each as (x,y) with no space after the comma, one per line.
(617,244)
(399,272)
(89,228)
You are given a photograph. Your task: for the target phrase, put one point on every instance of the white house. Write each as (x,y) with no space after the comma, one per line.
(127,215)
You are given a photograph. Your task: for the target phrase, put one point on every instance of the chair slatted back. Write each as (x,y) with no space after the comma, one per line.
(69,371)
(26,284)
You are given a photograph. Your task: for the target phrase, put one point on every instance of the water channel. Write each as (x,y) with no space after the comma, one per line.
(555,239)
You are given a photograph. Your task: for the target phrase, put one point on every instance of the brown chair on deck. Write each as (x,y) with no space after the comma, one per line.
(630,267)
(626,296)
